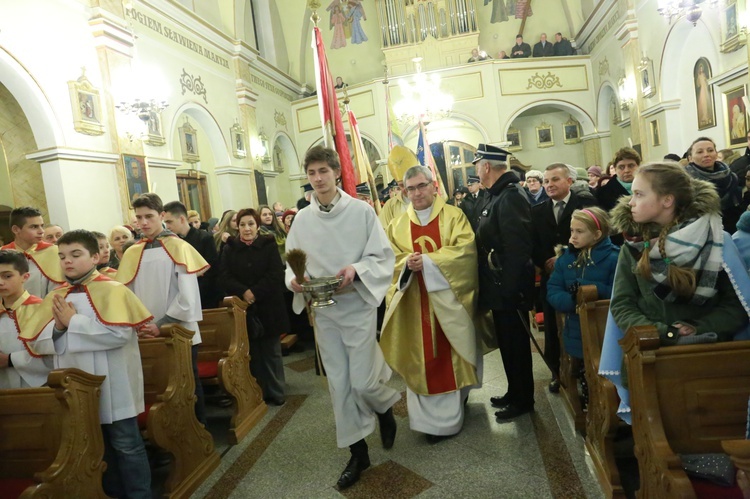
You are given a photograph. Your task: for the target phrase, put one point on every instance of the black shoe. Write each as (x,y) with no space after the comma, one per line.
(433,439)
(554,386)
(500,402)
(350,475)
(387,428)
(224,402)
(511,411)
(276,400)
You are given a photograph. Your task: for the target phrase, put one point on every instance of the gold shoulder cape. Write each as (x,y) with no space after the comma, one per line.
(21,313)
(113,303)
(457,260)
(181,253)
(45,257)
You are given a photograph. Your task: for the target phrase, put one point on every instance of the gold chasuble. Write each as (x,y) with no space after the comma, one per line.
(113,303)
(45,256)
(22,312)
(181,253)
(429,338)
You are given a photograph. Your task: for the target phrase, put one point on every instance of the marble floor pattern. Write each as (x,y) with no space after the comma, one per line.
(292,452)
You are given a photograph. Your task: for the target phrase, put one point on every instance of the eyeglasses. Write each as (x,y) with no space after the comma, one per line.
(418,187)
(532,179)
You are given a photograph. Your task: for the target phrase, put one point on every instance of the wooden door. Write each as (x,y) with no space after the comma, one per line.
(193,190)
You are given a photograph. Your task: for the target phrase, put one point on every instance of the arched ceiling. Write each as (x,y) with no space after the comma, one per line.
(363,61)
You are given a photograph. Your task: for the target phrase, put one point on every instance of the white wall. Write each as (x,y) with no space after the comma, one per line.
(539,158)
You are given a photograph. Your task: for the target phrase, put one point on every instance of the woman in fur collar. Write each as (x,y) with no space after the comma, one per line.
(670,269)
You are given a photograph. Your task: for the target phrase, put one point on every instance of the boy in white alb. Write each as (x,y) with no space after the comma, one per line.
(342,236)
(27,226)
(162,270)
(18,367)
(90,323)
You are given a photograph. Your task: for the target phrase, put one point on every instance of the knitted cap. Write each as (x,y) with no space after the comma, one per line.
(744,223)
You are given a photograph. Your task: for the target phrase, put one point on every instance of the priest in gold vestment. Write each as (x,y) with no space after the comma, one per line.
(428,333)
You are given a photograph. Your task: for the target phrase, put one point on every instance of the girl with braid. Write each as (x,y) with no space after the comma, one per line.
(671,270)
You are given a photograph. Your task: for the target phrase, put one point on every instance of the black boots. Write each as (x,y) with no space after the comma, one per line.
(359,462)
(387,428)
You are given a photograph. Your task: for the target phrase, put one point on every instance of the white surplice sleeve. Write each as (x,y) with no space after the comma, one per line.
(32,370)
(186,305)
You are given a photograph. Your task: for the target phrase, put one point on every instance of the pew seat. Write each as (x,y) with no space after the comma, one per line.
(601,417)
(170,422)
(685,400)
(50,438)
(569,369)
(224,359)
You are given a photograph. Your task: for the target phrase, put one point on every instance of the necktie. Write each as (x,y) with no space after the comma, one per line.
(559,208)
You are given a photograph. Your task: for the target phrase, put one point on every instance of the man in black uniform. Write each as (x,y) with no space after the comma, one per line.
(472,202)
(506,275)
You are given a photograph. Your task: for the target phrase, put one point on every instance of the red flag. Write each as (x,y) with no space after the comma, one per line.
(330,117)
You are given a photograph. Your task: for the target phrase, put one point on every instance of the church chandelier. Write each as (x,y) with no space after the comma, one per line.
(691,9)
(421,98)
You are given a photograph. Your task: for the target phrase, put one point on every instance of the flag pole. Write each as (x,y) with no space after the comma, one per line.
(359,154)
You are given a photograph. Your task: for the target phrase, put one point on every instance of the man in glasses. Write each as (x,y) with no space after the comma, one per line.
(626,162)
(506,274)
(428,334)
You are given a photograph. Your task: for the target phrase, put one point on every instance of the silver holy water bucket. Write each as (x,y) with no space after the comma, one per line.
(321,290)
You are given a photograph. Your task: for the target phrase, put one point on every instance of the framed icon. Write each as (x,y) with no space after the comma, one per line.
(239,142)
(189,143)
(646,77)
(655,133)
(544,136)
(571,131)
(136,175)
(87,112)
(514,138)
(735,117)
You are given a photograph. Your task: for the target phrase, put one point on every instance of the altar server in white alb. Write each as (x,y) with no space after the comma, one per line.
(162,270)
(27,226)
(18,367)
(342,236)
(428,332)
(90,323)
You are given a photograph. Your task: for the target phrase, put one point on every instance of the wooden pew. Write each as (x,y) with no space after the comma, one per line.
(50,438)
(170,421)
(601,416)
(684,400)
(569,368)
(224,359)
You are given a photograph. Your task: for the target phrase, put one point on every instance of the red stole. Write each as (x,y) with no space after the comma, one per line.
(437,350)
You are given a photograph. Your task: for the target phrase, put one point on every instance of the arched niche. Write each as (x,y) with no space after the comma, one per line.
(685,44)
(548,119)
(213,151)
(283,173)
(607,117)
(34,104)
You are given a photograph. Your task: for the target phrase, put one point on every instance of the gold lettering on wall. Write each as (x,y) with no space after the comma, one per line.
(176,37)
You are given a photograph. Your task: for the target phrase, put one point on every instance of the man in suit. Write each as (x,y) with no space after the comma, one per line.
(562,46)
(626,163)
(543,48)
(520,50)
(473,202)
(551,226)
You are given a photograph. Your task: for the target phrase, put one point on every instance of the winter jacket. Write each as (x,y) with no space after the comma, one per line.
(633,301)
(600,270)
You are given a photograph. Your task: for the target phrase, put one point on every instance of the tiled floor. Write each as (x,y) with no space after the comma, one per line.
(292,452)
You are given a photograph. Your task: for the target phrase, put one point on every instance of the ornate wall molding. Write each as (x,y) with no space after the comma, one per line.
(193,84)
(545,82)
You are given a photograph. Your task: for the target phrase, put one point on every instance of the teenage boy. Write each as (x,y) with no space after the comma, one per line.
(162,270)
(90,323)
(27,226)
(18,367)
(176,219)
(344,238)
